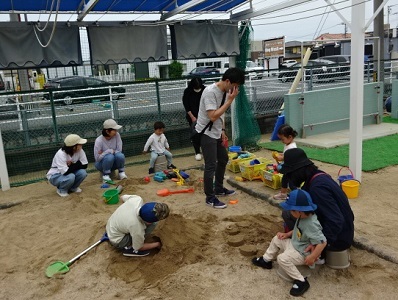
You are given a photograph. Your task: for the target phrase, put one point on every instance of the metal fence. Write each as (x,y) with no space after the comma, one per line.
(33,125)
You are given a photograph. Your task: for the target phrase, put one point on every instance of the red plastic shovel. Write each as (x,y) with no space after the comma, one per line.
(167,192)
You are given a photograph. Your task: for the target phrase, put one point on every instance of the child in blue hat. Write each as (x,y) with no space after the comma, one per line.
(132,222)
(293,244)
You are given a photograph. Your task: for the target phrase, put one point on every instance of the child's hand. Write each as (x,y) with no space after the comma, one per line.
(282,235)
(144,152)
(310,260)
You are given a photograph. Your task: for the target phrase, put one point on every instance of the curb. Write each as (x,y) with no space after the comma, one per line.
(359,242)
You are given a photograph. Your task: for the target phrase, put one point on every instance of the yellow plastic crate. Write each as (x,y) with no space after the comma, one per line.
(252,172)
(233,164)
(274,181)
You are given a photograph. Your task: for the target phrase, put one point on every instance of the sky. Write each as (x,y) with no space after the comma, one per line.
(301,23)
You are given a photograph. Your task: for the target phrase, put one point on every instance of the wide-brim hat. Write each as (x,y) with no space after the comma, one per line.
(294,159)
(111,124)
(74,139)
(152,212)
(299,200)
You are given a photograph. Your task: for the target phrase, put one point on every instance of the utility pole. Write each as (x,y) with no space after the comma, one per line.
(345,30)
(378,31)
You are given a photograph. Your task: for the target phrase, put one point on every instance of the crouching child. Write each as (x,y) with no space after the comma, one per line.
(132,222)
(294,244)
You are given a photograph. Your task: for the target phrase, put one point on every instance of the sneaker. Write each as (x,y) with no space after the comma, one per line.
(151,171)
(62,194)
(226,192)
(215,203)
(171,167)
(261,262)
(198,157)
(106,178)
(122,175)
(299,287)
(320,261)
(76,190)
(280,196)
(132,252)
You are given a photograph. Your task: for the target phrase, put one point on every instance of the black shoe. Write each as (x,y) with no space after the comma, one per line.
(132,252)
(299,287)
(171,167)
(225,192)
(260,262)
(151,170)
(215,203)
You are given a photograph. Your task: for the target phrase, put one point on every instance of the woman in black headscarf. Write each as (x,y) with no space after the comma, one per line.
(334,212)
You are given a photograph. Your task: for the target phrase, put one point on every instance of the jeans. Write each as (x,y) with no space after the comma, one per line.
(68,182)
(216,159)
(154,157)
(111,162)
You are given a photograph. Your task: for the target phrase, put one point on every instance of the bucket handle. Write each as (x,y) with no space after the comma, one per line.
(352,174)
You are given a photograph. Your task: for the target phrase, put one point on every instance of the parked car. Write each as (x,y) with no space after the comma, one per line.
(319,69)
(254,71)
(204,71)
(288,63)
(338,59)
(82,89)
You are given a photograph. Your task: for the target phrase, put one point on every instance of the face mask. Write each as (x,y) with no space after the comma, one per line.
(197,90)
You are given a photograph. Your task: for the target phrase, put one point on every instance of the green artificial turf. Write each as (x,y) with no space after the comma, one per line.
(376,153)
(388,119)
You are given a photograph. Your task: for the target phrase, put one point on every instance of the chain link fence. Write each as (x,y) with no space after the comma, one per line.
(33,125)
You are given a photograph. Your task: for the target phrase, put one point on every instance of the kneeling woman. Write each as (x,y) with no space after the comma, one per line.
(68,167)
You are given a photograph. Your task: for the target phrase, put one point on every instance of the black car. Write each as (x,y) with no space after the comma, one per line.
(204,72)
(316,70)
(82,89)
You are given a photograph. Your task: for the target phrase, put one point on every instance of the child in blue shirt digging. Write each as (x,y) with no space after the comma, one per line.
(295,243)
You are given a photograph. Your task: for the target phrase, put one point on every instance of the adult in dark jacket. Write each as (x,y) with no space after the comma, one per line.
(334,211)
(191,101)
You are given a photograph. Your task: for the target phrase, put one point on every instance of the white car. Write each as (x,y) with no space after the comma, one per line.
(254,70)
(288,63)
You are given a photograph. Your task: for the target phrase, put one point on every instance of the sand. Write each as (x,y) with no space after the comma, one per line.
(206,253)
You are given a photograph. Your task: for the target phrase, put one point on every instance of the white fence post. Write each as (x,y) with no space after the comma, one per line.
(5,181)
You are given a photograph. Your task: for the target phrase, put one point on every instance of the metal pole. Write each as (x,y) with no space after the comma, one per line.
(356,87)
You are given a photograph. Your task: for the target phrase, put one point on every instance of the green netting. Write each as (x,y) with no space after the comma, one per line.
(245,127)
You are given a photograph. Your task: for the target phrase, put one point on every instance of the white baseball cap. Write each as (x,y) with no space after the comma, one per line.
(74,139)
(111,124)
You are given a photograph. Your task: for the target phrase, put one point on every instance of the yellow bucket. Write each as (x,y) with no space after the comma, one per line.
(351,188)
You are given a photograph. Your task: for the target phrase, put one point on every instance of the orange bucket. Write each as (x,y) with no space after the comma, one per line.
(351,188)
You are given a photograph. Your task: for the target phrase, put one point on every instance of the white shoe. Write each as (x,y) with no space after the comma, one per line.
(122,175)
(198,157)
(106,178)
(62,194)
(76,190)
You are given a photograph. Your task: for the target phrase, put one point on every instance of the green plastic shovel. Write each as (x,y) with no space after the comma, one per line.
(60,267)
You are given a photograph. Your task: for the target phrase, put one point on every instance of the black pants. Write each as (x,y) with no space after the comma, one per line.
(216,159)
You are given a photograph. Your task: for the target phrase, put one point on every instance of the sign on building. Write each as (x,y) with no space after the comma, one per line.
(274,47)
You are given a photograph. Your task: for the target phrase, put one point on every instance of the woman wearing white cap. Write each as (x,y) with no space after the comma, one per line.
(68,166)
(108,151)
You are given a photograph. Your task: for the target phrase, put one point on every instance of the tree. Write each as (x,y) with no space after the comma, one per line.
(175,69)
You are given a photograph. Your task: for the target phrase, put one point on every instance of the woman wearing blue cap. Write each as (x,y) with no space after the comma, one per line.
(293,244)
(132,222)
